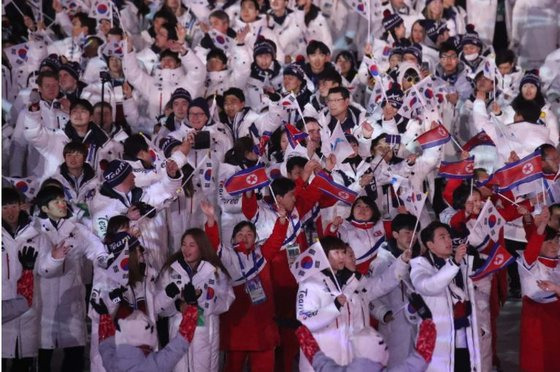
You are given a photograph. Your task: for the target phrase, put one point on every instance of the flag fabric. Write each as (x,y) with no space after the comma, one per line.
(414,201)
(498,259)
(337,191)
(337,144)
(294,135)
(360,6)
(426,94)
(309,263)
(393,139)
(221,41)
(478,140)
(489,222)
(247,180)
(457,169)
(434,137)
(27,186)
(396,181)
(522,171)
(289,102)
(263,141)
(101,9)
(17,54)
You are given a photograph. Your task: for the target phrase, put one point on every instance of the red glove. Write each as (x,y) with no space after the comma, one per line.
(307,342)
(106,327)
(426,341)
(25,286)
(188,324)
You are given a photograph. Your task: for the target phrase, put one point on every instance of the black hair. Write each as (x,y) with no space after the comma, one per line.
(281,186)
(375,216)
(166,14)
(134,144)
(86,21)
(115,223)
(377,139)
(544,148)
(427,235)
(295,161)
(252,1)
(529,110)
(330,75)
(171,32)
(51,182)
(241,225)
(234,92)
(236,155)
(274,146)
(219,14)
(342,90)
(217,53)
(46,195)
(461,194)
(46,74)
(316,45)
(105,104)
(332,243)
(75,146)
(351,139)
(116,31)
(10,196)
(447,46)
(403,221)
(82,103)
(169,53)
(350,57)
(550,233)
(477,172)
(505,56)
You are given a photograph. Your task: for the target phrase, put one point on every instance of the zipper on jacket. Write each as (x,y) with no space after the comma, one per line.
(8,264)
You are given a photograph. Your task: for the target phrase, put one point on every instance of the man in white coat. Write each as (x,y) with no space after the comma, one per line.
(441,276)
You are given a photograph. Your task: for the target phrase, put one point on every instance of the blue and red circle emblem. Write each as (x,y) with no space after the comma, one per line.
(124,264)
(307,262)
(210,293)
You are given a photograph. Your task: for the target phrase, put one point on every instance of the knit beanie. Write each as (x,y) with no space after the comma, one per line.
(116,172)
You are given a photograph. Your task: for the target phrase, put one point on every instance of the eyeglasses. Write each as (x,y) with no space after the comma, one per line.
(448,56)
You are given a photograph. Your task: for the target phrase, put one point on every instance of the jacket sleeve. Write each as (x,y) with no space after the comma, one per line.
(274,242)
(249,206)
(482,121)
(227,202)
(157,193)
(64,22)
(450,187)
(163,304)
(384,279)
(108,351)
(94,249)
(426,282)
(168,357)
(193,80)
(310,311)
(213,234)
(36,134)
(241,66)
(531,252)
(137,77)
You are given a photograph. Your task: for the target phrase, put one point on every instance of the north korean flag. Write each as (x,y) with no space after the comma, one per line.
(498,259)
(434,137)
(480,139)
(522,171)
(337,191)
(457,169)
(247,179)
(294,135)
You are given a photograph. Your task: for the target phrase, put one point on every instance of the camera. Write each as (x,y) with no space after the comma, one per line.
(105,76)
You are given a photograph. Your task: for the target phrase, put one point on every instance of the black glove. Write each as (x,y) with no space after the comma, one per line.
(417,302)
(100,308)
(189,294)
(172,290)
(116,295)
(27,256)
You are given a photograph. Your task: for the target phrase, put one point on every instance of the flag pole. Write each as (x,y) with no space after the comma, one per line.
(508,199)
(331,269)
(543,190)
(414,231)
(472,185)
(369,22)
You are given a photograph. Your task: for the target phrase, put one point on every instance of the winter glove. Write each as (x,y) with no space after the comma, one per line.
(426,341)
(27,257)
(418,304)
(188,323)
(100,308)
(307,342)
(25,286)
(172,290)
(189,294)
(116,295)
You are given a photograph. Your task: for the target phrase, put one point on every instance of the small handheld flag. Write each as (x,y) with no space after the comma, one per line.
(434,137)
(328,186)
(457,169)
(309,263)
(247,180)
(498,259)
(519,172)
